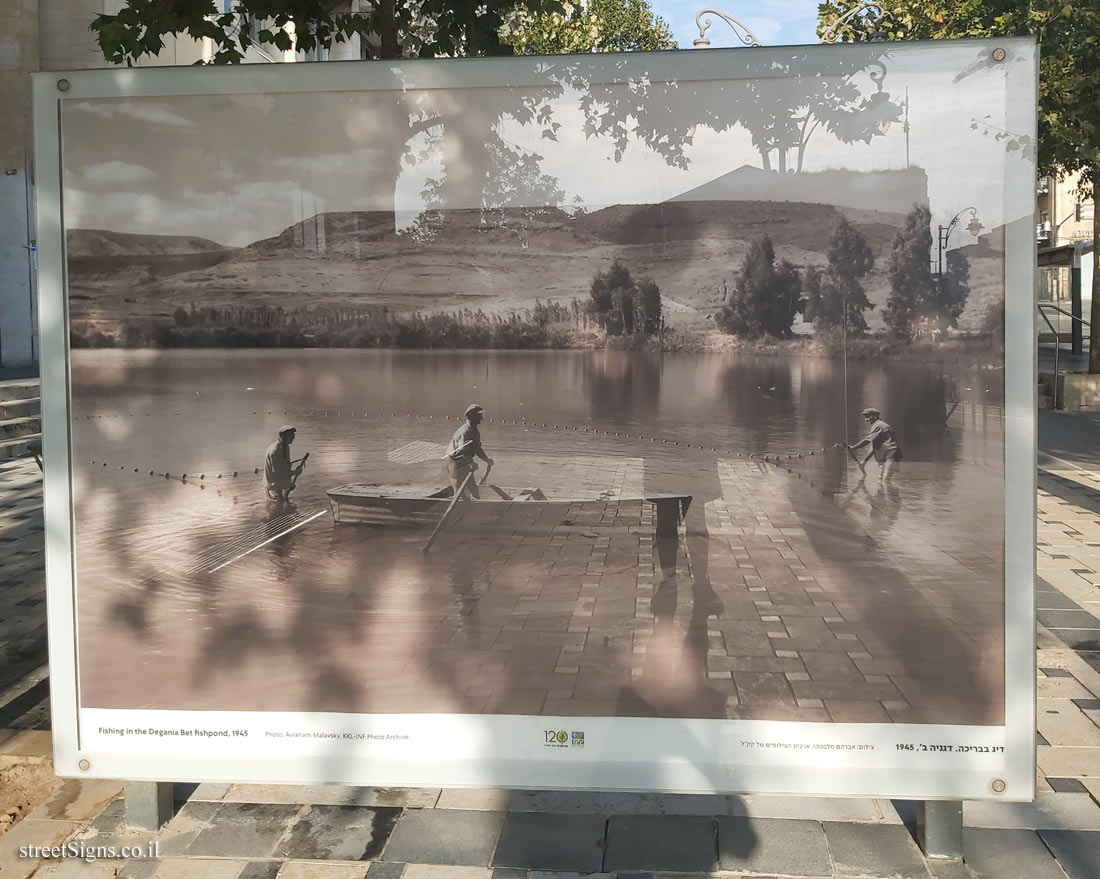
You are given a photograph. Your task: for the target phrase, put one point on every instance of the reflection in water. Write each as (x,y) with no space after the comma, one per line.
(791,591)
(675,680)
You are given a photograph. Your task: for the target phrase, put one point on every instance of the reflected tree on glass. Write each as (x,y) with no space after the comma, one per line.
(781,113)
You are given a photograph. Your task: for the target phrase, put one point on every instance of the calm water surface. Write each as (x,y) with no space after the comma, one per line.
(283,626)
(209,404)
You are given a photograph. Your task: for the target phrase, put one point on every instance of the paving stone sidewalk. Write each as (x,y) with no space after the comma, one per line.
(294,832)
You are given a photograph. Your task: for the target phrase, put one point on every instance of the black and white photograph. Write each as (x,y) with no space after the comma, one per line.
(602,394)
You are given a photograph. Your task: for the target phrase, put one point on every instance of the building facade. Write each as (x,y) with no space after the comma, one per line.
(1063,214)
(1064,233)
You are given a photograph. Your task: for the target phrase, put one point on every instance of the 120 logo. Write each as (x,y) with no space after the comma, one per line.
(559,738)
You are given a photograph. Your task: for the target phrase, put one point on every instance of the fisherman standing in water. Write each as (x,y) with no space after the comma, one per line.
(279,476)
(465,446)
(882,445)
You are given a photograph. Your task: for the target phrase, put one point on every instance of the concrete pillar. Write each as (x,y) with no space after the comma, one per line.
(18,308)
(940,827)
(148,804)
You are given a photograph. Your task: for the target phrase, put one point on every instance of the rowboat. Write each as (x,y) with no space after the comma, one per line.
(501,508)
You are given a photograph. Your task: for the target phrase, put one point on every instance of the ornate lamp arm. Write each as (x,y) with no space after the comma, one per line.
(739,28)
(873,14)
(955,220)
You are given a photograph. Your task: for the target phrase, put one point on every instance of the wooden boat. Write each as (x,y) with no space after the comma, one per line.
(500,508)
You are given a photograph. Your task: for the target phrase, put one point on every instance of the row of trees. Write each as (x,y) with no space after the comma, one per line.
(547,325)
(425,29)
(306,319)
(618,305)
(770,293)
(589,26)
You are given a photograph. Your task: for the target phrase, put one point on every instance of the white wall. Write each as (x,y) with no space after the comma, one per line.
(18,57)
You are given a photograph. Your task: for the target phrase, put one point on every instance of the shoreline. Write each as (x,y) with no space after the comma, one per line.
(871,347)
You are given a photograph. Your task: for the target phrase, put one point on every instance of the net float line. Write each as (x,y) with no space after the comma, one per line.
(201,481)
(183,477)
(766,457)
(769,457)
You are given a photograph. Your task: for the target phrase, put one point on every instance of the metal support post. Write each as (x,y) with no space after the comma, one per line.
(148,804)
(1075,322)
(940,828)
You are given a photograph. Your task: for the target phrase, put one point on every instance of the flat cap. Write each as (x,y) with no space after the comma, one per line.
(287,428)
(871,412)
(473,407)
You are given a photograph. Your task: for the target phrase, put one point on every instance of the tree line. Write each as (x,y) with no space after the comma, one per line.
(546,325)
(618,305)
(770,293)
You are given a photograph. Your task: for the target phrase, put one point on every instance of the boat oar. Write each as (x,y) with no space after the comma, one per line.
(447,512)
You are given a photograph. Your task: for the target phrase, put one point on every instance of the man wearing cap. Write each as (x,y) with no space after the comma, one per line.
(465,446)
(279,476)
(881,443)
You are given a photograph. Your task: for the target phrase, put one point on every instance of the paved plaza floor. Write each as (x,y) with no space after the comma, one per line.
(779,598)
(249,831)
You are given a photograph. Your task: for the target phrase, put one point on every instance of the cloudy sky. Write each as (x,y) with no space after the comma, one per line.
(238,168)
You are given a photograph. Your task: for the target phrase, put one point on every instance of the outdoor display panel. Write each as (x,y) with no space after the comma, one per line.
(682,288)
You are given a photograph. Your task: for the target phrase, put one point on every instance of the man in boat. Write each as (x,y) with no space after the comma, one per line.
(279,473)
(880,443)
(465,446)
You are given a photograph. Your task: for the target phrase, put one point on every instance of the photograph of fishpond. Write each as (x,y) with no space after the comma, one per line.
(630,398)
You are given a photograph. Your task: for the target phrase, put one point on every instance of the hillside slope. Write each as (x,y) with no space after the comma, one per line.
(496,261)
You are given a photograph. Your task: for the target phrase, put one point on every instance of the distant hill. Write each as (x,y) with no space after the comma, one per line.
(497,261)
(360,234)
(101,242)
(893,191)
(805,226)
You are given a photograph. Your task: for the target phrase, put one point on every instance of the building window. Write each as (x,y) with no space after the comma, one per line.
(1084,211)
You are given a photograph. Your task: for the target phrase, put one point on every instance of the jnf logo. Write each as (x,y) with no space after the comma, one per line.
(559,738)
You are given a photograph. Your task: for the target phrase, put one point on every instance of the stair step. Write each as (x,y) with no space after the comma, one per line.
(30,406)
(19,389)
(16,428)
(17,448)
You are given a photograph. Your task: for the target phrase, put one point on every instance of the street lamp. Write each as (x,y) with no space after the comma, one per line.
(973,227)
(739,28)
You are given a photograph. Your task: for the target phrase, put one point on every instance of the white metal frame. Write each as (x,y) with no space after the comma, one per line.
(510,751)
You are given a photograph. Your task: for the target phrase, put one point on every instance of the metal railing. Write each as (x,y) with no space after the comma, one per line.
(1058,338)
